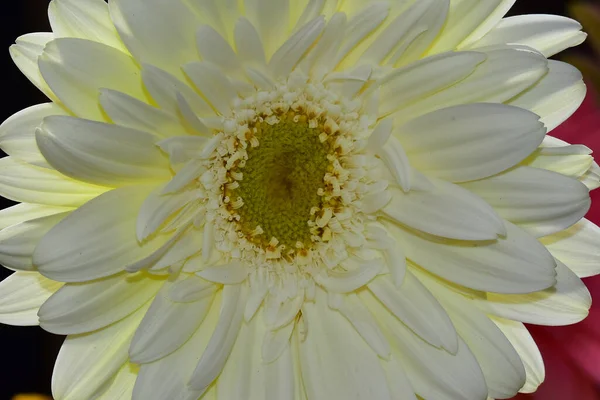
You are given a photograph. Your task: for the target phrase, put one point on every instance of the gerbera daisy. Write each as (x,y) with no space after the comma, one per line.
(308,199)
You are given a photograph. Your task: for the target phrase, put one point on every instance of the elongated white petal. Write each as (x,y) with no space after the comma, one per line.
(100,153)
(22,294)
(394,156)
(84,19)
(569,160)
(505,73)
(447,211)
(174,370)
(541,202)
(213,83)
(215,49)
(76,69)
(229,274)
(425,77)
(287,56)
(248,43)
(96,240)
(469,142)
(130,112)
(415,307)
(156,32)
(167,325)
(31,184)
(87,363)
(503,370)
(565,303)
(433,373)
(121,387)
(25,54)
(518,335)
(17,133)
(271,19)
(221,343)
(22,212)
(549,34)
(515,264)
(157,208)
(276,342)
(18,242)
(349,281)
(577,247)
(85,307)
(328,369)
(556,96)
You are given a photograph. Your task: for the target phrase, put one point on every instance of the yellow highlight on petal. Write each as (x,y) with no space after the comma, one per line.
(31,396)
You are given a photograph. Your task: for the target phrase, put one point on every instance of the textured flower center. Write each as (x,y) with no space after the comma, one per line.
(281,181)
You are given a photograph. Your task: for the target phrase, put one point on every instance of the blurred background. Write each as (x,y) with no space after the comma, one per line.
(28,353)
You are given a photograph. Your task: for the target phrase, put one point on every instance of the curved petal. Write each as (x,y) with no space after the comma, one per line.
(539,201)
(17,133)
(517,263)
(446,211)
(31,184)
(76,69)
(84,19)
(22,294)
(549,34)
(98,239)
(22,212)
(25,54)
(87,363)
(85,307)
(472,141)
(100,153)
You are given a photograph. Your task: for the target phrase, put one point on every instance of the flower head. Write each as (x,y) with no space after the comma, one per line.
(296,199)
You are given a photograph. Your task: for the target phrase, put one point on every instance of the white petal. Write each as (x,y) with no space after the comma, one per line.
(25,54)
(17,133)
(318,61)
(271,19)
(155,32)
(503,370)
(433,373)
(221,343)
(96,240)
(518,335)
(329,370)
(21,295)
(349,281)
(361,319)
(30,184)
(181,149)
(190,171)
(287,56)
(121,387)
(100,153)
(505,73)
(276,342)
(18,242)
(213,83)
(469,142)
(87,363)
(549,34)
(577,247)
(22,212)
(85,307)
(515,264)
(394,156)
(228,274)
(84,19)
(157,208)
(173,371)
(565,303)
(447,211)
(190,289)
(425,77)
(569,160)
(167,325)
(248,43)
(556,96)
(215,49)
(415,307)
(541,202)
(165,89)
(398,382)
(130,112)
(76,69)
(468,20)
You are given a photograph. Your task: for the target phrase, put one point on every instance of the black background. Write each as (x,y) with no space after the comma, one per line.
(28,353)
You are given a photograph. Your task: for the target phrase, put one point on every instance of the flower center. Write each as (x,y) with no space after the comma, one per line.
(281,181)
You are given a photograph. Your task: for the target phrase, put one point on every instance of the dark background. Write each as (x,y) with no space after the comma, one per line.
(28,353)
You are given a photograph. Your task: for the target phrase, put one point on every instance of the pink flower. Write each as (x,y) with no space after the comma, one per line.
(572,353)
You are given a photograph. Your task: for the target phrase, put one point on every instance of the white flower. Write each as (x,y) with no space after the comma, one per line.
(296,199)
